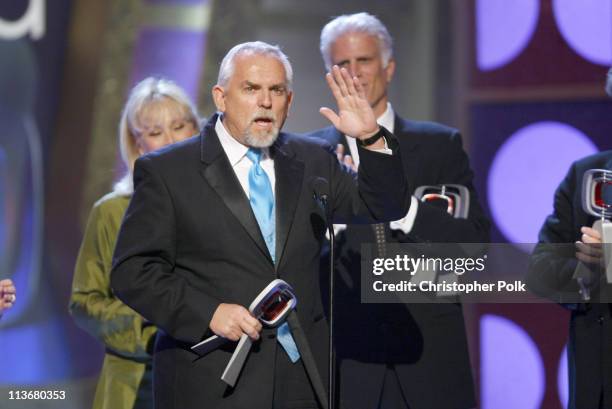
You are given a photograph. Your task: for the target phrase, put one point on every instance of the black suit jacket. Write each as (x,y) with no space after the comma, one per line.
(190,241)
(426,343)
(590,343)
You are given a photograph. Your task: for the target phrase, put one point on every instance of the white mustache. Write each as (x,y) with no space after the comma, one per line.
(264,115)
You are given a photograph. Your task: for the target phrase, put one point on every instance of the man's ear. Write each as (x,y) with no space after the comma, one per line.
(218,94)
(390,70)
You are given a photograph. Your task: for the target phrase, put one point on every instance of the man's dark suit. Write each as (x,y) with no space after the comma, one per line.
(426,343)
(590,344)
(190,241)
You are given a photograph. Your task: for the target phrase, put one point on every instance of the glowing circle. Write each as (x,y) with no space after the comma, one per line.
(503,30)
(586,26)
(509,357)
(562,379)
(525,173)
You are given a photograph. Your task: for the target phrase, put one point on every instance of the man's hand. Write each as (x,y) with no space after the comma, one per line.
(355,115)
(588,249)
(8,294)
(346,160)
(231,321)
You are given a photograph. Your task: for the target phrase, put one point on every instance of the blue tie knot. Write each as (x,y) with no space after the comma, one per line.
(254,154)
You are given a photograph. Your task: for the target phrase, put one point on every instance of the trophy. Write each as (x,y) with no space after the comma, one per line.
(597,202)
(456,198)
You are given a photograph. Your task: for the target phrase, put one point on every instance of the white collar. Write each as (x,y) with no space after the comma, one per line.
(234,150)
(387,119)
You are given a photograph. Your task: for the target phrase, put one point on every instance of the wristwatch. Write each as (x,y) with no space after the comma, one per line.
(372,139)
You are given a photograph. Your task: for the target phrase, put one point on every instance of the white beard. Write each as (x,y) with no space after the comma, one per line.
(263,140)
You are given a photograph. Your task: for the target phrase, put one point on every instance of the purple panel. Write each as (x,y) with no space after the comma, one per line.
(37,354)
(586,26)
(503,30)
(175,54)
(525,173)
(492,124)
(563,379)
(512,372)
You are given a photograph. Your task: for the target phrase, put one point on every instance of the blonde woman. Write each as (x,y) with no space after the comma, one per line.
(157,113)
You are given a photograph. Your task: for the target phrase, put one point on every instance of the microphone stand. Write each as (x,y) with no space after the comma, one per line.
(332,355)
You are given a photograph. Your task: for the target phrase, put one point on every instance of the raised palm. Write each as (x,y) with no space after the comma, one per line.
(355,116)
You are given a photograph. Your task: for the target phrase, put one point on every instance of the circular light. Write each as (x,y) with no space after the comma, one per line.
(503,30)
(586,26)
(525,173)
(508,356)
(563,379)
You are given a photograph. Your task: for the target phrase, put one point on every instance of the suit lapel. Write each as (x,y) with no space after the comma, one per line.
(218,172)
(409,149)
(289,174)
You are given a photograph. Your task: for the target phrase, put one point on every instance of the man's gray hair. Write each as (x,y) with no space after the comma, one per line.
(253,48)
(609,83)
(351,23)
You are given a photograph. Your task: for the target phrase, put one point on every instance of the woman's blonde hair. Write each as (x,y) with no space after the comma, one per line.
(147,92)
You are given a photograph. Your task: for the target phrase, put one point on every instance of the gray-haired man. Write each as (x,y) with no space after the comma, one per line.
(399,356)
(213,220)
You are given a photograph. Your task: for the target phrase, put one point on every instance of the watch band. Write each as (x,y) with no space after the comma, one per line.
(372,139)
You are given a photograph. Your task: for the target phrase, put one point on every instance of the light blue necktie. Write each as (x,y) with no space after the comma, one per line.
(262,203)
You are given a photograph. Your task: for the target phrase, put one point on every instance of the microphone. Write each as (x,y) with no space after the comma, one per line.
(320,187)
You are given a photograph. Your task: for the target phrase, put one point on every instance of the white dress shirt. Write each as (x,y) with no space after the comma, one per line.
(236,153)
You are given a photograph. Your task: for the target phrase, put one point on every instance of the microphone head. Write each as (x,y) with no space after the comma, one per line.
(320,187)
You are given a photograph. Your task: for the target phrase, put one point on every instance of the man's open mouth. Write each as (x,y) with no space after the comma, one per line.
(263,121)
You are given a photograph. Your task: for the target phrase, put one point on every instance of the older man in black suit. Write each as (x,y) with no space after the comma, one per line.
(214,219)
(590,345)
(568,246)
(399,356)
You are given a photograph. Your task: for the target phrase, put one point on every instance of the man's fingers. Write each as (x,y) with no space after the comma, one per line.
(229,319)
(256,324)
(589,249)
(232,334)
(348,161)
(339,74)
(249,319)
(587,259)
(590,232)
(251,330)
(591,241)
(349,81)
(335,89)
(359,88)
(249,325)
(330,115)
(340,152)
